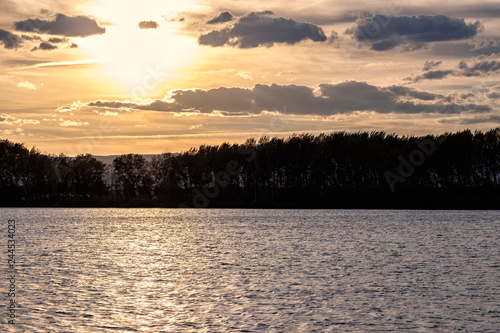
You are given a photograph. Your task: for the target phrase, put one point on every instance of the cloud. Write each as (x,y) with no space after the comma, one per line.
(494,95)
(409,92)
(10,40)
(326,100)
(195,126)
(333,38)
(471,9)
(56,40)
(223,17)
(148,25)
(25,37)
(27,85)
(76,26)
(431,64)
(106,104)
(45,47)
(177,16)
(385,32)
(486,43)
(467,95)
(245,75)
(48,45)
(432,75)
(467,48)
(71,123)
(262,29)
(474,120)
(481,66)
(7,119)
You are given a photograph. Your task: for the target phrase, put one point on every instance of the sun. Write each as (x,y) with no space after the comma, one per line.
(140,60)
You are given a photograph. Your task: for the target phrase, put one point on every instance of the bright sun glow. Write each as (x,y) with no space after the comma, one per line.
(140,59)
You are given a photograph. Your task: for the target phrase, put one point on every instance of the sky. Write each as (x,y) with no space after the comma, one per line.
(113,77)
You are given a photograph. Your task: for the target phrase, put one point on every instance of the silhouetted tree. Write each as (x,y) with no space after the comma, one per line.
(132,175)
(452,170)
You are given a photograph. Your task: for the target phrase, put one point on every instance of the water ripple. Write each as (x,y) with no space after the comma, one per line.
(160,270)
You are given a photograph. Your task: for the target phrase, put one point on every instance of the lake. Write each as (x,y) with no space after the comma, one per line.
(215,270)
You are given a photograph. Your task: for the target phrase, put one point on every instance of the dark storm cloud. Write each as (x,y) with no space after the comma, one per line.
(385,32)
(76,26)
(221,18)
(328,99)
(148,25)
(262,29)
(430,64)
(10,40)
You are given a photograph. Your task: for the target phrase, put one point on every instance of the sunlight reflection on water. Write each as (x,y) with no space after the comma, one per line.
(160,270)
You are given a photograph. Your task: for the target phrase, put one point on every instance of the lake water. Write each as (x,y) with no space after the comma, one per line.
(174,270)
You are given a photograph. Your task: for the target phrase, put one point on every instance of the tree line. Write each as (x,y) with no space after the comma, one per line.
(337,170)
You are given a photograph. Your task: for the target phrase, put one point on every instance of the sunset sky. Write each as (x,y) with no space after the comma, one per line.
(115,76)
